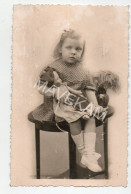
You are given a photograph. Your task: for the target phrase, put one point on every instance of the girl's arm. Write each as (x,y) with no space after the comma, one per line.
(46,82)
(89,90)
(91,97)
(46,91)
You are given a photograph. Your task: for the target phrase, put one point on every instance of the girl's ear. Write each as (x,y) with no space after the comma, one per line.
(60,50)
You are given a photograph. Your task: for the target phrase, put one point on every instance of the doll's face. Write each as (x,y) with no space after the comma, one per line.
(71,50)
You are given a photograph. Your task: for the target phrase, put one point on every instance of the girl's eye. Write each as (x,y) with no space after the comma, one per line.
(78,49)
(68,47)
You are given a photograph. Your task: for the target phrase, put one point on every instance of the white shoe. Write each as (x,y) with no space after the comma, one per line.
(90,161)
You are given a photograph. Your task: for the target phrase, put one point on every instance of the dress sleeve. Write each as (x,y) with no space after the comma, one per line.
(88,83)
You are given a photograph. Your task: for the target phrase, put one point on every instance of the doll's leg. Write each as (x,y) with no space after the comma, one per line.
(90,157)
(77,135)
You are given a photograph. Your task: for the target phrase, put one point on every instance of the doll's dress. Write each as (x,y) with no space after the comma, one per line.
(75,77)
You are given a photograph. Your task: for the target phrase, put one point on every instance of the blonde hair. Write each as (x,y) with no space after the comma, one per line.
(67,34)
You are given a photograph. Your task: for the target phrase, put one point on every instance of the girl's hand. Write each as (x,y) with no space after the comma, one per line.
(99,109)
(98,112)
(44,90)
(41,89)
(73,91)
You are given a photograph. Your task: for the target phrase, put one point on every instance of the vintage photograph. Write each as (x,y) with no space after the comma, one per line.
(69,95)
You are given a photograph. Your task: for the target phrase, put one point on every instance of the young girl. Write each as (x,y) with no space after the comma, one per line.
(68,54)
(74,105)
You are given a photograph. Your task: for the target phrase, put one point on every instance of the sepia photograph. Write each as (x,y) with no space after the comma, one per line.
(69,95)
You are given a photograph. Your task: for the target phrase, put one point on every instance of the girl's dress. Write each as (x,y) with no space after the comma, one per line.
(75,77)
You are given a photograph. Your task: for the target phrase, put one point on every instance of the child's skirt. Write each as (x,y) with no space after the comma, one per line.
(68,112)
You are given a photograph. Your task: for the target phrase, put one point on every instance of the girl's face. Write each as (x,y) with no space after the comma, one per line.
(72,50)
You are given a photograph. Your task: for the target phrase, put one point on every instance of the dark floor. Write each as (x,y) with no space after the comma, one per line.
(79,173)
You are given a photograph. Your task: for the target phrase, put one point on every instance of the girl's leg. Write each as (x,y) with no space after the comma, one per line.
(90,157)
(77,135)
(75,127)
(90,126)
(90,137)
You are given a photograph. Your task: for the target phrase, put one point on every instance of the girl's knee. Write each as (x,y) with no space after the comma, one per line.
(75,127)
(91,121)
(90,125)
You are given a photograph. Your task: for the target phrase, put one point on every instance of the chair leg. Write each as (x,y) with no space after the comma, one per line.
(37,143)
(106,147)
(72,158)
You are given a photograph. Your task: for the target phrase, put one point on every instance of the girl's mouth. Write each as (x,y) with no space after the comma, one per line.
(72,57)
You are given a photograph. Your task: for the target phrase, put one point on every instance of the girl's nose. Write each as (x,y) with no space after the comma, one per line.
(73,51)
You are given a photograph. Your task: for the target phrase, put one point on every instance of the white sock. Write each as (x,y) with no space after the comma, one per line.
(79,141)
